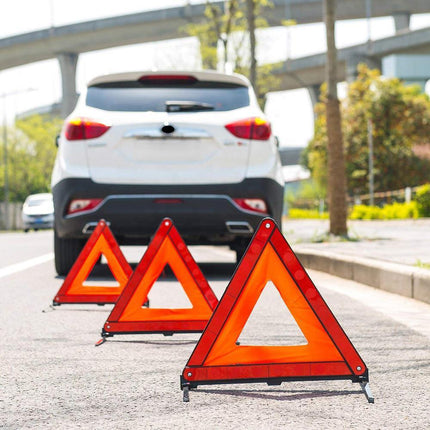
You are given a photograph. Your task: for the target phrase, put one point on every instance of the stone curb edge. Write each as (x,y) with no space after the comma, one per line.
(395,278)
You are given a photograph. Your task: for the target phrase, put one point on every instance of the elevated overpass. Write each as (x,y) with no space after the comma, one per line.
(168,24)
(66,42)
(308,72)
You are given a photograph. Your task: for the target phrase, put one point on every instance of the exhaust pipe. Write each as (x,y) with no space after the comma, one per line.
(89,227)
(239,227)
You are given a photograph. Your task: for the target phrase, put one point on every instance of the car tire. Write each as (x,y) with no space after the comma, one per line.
(240,249)
(66,252)
(240,253)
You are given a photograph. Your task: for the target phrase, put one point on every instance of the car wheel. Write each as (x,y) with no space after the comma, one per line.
(239,253)
(240,248)
(66,252)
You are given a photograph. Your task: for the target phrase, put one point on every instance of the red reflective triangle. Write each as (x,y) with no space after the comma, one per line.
(328,354)
(101,242)
(129,314)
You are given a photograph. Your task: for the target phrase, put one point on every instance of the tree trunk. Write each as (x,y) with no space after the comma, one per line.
(231,11)
(250,9)
(336,159)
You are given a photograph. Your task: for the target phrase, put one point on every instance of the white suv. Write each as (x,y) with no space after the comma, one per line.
(193,146)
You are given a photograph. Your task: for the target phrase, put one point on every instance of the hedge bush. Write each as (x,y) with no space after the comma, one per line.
(422,198)
(306,213)
(393,211)
(365,212)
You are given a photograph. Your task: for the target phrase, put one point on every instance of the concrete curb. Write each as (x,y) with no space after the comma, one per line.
(395,278)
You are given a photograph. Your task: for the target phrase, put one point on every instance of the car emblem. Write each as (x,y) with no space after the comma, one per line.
(167,128)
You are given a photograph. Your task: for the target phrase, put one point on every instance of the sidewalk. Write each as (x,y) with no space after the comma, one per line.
(382,254)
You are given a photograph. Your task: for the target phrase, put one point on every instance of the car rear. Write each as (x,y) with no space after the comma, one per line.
(142,146)
(38,212)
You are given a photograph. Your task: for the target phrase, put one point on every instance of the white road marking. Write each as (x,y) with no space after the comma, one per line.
(24,265)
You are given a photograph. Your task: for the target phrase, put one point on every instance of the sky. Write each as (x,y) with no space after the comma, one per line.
(39,83)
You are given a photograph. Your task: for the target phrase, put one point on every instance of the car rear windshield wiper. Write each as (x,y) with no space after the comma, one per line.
(187,106)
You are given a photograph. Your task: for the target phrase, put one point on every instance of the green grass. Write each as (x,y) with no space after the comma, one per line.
(327,237)
(422,265)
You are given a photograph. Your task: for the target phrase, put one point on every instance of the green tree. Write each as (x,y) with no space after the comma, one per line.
(401,119)
(230,29)
(218,26)
(31,155)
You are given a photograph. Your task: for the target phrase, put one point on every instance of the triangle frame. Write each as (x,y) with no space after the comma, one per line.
(218,359)
(130,317)
(101,242)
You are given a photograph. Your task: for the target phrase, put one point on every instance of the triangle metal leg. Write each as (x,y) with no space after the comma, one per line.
(186,393)
(49,309)
(366,389)
(101,341)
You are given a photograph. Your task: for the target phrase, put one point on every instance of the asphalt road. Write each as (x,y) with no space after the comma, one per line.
(52,376)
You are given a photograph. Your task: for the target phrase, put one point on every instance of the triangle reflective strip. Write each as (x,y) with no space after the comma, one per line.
(101,242)
(166,248)
(328,353)
(319,346)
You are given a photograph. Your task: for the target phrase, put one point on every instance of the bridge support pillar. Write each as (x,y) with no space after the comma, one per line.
(401,21)
(68,62)
(353,61)
(314,94)
(411,68)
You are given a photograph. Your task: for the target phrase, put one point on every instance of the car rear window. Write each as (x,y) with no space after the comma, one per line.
(132,96)
(31,203)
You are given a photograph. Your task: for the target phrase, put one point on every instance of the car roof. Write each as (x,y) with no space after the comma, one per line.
(204,75)
(39,196)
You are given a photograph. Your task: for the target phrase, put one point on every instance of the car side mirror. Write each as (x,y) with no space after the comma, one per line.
(57,138)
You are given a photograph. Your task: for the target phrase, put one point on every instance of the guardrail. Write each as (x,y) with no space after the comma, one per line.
(15,220)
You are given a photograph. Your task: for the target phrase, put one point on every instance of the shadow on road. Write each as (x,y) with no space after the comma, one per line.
(284,395)
(212,271)
(167,342)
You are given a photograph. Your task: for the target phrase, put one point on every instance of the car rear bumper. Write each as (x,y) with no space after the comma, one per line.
(39,221)
(202,213)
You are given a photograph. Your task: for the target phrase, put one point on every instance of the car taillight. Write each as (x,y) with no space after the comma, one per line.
(167,79)
(250,128)
(84,128)
(254,205)
(82,205)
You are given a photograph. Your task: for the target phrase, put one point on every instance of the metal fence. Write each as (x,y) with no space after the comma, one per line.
(385,197)
(15,220)
(379,198)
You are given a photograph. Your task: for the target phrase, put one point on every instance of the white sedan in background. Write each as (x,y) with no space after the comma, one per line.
(38,212)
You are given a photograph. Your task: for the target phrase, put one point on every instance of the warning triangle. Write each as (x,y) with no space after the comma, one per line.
(328,353)
(76,288)
(130,316)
